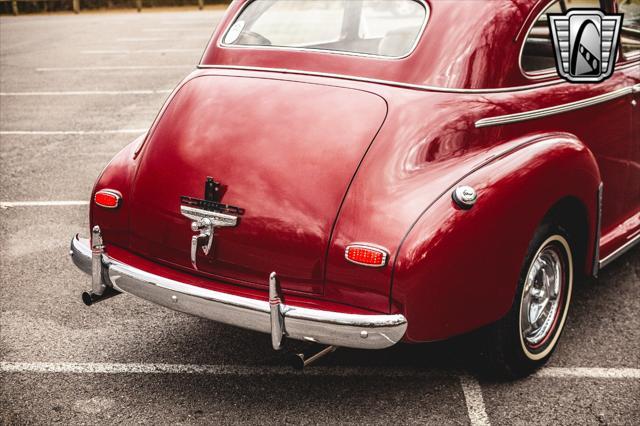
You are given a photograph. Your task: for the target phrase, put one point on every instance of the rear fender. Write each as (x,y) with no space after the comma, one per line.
(117,175)
(458,270)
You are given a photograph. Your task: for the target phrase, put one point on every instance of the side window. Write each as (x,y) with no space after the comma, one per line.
(630,34)
(537,53)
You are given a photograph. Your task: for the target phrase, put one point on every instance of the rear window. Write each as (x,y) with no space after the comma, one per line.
(387,28)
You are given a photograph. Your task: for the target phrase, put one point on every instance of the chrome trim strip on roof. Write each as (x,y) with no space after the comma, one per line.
(223,45)
(620,251)
(558,109)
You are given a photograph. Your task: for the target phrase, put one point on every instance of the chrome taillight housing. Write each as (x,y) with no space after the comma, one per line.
(108,198)
(366,255)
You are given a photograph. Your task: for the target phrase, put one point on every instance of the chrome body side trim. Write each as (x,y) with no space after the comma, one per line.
(313,325)
(596,250)
(223,45)
(620,251)
(558,109)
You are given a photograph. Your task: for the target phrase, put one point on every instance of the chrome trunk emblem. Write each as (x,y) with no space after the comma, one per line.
(206,216)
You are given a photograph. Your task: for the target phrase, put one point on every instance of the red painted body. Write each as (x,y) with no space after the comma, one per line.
(320,162)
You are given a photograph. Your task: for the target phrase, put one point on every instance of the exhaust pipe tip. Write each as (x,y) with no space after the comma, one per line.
(301,360)
(87,298)
(297,361)
(90,298)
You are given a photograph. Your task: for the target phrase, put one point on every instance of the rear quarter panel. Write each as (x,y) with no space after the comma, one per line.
(457,270)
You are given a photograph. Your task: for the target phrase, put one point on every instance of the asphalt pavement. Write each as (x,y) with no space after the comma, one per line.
(76,89)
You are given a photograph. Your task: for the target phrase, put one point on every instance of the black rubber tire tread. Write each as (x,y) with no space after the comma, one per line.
(503,355)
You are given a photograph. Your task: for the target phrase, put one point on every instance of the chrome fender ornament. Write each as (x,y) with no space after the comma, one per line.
(465,197)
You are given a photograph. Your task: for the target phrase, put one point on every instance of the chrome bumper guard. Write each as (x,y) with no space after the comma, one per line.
(271,317)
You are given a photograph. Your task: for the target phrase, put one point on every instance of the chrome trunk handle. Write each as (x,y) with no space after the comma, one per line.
(204,239)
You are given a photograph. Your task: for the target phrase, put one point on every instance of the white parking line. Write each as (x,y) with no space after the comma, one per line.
(88,93)
(128,52)
(474,400)
(116,68)
(590,373)
(9,204)
(72,132)
(471,389)
(216,370)
(470,385)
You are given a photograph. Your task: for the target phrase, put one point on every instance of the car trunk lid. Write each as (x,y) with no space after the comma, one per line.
(284,152)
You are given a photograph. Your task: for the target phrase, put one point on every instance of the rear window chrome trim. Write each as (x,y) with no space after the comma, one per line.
(221,45)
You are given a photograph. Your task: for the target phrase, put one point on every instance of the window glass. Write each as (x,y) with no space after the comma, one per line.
(537,53)
(376,27)
(630,33)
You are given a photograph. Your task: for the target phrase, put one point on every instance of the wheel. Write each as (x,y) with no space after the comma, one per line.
(526,337)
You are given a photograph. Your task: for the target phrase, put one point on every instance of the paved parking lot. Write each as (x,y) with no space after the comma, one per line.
(75,90)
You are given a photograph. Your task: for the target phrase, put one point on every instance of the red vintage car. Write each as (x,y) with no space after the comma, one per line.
(360,173)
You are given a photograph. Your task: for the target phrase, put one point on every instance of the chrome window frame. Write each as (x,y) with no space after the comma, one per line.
(221,44)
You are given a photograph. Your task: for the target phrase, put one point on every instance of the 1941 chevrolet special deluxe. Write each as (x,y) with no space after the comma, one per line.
(360,173)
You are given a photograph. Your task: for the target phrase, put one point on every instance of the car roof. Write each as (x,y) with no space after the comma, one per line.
(467,44)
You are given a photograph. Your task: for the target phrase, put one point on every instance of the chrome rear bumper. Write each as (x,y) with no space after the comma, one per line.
(313,325)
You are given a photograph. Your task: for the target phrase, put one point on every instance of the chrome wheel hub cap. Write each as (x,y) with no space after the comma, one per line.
(542,295)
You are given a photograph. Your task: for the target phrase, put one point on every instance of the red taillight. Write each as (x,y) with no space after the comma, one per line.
(107,198)
(366,255)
